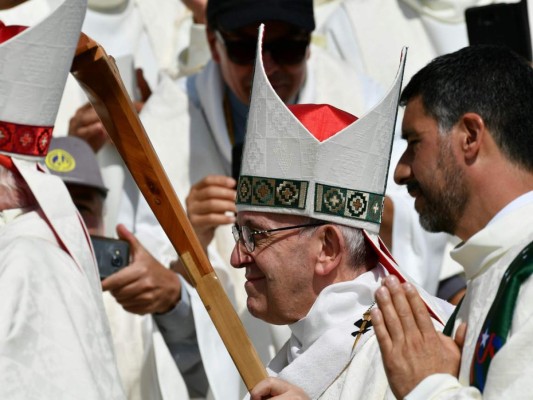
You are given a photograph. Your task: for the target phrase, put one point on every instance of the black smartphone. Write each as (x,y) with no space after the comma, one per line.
(503,23)
(236,158)
(111,254)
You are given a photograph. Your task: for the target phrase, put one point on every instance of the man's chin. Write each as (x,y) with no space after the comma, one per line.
(432,224)
(255,309)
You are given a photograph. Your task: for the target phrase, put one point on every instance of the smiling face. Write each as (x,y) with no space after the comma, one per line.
(280,271)
(286,79)
(431,171)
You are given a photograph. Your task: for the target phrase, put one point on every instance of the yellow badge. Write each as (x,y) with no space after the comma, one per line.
(60,160)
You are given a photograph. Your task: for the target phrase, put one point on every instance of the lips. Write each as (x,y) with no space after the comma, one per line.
(253,274)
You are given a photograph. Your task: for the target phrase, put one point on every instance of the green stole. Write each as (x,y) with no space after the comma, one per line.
(496,327)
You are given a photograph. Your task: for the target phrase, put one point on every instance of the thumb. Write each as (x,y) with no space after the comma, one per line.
(124,234)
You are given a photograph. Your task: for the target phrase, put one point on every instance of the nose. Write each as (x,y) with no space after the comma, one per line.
(239,255)
(403,172)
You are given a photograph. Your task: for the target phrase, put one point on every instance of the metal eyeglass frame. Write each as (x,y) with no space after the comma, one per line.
(238,233)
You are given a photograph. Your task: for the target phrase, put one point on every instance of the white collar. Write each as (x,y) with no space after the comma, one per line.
(520,201)
(6,216)
(321,344)
(489,244)
(335,304)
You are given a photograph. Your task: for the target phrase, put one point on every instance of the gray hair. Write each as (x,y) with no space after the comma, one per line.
(15,192)
(360,253)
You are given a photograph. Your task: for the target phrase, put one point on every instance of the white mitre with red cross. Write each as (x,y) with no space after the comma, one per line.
(316,160)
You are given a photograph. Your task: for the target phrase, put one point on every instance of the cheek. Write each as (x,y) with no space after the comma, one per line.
(239,79)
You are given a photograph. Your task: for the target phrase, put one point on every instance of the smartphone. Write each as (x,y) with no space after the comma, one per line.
(236,158)
(503,23)
(111,254)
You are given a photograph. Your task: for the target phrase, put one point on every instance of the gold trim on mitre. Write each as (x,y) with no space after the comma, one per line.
(350,168)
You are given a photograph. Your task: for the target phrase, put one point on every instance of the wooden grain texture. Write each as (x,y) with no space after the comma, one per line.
(97,74)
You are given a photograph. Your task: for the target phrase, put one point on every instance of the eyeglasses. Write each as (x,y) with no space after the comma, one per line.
(247,235)
(284,51)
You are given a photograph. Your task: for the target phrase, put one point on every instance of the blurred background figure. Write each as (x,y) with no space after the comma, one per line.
(54,336)
(145,365)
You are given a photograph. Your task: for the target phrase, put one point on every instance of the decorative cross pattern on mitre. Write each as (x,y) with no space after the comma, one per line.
(341,178)
(34,65)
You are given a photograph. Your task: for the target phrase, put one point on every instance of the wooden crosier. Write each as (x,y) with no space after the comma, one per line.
(98,75)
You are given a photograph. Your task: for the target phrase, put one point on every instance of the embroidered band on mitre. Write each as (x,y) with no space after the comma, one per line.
(318,161)
(292,165)
(34,66)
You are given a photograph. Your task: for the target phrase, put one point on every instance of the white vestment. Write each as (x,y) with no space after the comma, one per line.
(147,35)
(54,338)
(320,356)
(485,257)
(188,130)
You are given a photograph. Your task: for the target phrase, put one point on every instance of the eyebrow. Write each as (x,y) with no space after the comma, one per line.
(253,225)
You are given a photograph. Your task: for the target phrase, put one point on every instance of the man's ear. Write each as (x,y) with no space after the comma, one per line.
(212,41)
(330,249)
(473,135)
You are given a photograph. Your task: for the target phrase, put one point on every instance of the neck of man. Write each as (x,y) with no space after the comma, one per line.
(488,196)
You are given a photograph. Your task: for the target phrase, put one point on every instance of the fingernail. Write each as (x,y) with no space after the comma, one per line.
(392,281)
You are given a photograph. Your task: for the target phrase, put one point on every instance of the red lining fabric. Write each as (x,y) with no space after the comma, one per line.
(7,162)
(322,120)
(9,31)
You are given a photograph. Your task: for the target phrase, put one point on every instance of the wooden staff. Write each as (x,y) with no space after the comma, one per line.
(99,77)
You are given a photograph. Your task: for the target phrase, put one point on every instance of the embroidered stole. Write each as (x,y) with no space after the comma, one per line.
(495,329)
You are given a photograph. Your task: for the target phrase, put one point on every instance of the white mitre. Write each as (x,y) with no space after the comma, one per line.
(287,170)
(34,65)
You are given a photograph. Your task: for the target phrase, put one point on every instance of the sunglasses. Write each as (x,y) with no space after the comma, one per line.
(284,51)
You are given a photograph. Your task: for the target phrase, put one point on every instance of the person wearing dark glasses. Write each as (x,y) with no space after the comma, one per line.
(194,124)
